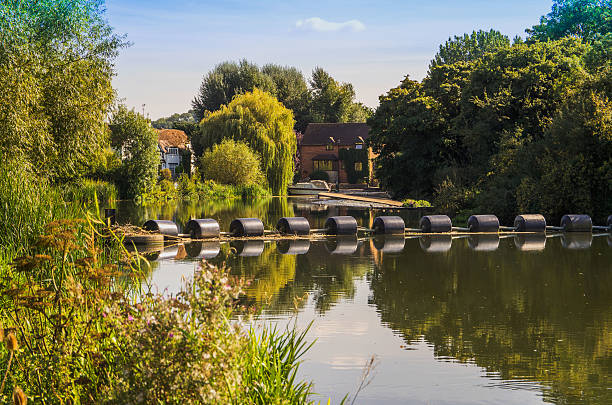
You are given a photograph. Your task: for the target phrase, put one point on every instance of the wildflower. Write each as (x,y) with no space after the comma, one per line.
(19,397)
(11,342)
(130,318)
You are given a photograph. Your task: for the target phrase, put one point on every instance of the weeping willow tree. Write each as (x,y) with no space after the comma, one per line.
(262,122)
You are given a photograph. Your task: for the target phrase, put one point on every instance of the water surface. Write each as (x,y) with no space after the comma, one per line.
(518,320)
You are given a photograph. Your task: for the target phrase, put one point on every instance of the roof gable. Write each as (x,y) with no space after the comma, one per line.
(341,133)
(172,138)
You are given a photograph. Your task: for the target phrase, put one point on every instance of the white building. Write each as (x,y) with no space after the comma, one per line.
(174,147)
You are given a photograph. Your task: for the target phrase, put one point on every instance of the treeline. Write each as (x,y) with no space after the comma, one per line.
(507,127)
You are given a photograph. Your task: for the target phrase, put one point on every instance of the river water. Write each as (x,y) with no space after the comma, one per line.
(518,320)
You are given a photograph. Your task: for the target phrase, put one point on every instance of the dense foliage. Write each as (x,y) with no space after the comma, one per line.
(262,122)
(136,142)
(469,47)
(232,162)
(174,119)
(325,101)
(55,84)
(501,132)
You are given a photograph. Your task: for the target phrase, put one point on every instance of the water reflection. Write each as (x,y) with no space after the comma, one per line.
(534,312)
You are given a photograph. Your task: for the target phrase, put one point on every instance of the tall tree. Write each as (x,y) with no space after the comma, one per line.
(262,122)
(586,19)
(225,81)
(333,101)
(56,65)
(290,88)
(136,141)
(469,47)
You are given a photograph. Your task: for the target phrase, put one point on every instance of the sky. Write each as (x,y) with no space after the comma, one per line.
(371,44)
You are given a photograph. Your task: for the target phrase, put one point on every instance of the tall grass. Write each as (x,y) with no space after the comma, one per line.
(27,204)
(272,361)
(86,190)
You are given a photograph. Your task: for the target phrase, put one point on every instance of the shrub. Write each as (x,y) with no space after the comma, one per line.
(319,175)
(416,203)
(232,162)
(166,174)
(86,190)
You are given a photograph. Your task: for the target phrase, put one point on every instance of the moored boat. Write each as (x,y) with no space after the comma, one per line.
(313,187)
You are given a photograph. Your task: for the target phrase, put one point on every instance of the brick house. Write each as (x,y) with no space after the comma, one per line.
(321,150)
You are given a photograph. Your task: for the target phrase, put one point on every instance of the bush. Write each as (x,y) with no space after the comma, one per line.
(416,203)
(86,190)
(232,162)
(319,175)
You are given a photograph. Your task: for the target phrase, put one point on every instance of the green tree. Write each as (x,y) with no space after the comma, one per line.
(232,162)
(469,47)
(225,81)
(291,90)
(176,118)
(136,142)
(332,101)
(586,19)
(55,83)
(262,122)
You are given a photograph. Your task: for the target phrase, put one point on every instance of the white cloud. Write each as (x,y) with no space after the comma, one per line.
(320,25)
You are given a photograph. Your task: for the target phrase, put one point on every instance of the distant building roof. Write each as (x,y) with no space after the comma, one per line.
(172,138)
(341,133)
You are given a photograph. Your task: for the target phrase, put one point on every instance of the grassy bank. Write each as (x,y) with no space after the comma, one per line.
(78,328)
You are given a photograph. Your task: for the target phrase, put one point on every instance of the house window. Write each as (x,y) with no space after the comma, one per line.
(358,146)
(358,166)
(172,151)
(325,165)
(329,146)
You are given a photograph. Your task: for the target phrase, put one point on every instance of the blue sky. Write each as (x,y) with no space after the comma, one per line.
(372,44)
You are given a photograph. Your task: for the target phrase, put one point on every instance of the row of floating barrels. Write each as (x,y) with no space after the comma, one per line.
(388,244)
(383,225)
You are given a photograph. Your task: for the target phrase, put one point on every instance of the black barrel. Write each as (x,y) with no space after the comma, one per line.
(203,250)
(389,225)
(202,228)
(576,223)
(483,243)
(530,223)
(240,227)
(530,243)
(436,243)
(576,240)
(166,228)
(293,226)
(346,245)
(248,248)
(293,247)
(436,224)
(342,225)
(610,223)
(166,253)
(483,223)
(389,243)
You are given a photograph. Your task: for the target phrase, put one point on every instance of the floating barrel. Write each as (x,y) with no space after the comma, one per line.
(246,227)
(483,223)
(202,228)
(436,243)
(342,225)
(166,253)
(390,243)
(483,243)
(293,247)
(530,243)
(576,240)
(248,248)
(610,223)
(576,223)
(147,241)
(293,226)
(203,250)
(342,246)
(530,223)
(389,225)
(166,228)
(436,224)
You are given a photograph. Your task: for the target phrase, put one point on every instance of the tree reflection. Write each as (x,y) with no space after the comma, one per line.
(543,316)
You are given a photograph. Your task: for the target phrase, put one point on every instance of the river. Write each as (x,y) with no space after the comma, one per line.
(515,320)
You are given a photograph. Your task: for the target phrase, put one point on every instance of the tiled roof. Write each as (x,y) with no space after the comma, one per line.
(342,133)
(172,138)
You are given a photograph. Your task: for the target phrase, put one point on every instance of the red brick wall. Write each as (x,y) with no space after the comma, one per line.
(307,152)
